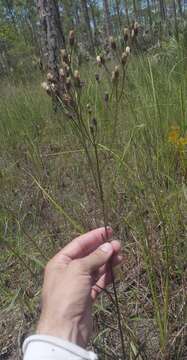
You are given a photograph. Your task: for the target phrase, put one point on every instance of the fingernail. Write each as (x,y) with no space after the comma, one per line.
(106,247)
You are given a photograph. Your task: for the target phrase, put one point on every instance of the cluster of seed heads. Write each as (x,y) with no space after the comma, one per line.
(63,86)
(129,36)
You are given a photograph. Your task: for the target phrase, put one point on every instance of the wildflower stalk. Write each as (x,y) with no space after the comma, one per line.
(102,199)
(81,131)
(68,92)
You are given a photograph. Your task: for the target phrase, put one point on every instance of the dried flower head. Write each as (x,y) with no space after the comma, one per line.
(100,60)
(128,50)
(71,37)
(124,58)
(53,88)
(50,76)
(112,43)
(45,86)
(62,73)
(76,74)
(66,68)
(115,74)
(67,100)
(77,78)
(68,83)
(64,56)
(126,34)
(136,28)
(88,106)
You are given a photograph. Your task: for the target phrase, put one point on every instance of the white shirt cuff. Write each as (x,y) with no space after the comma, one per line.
(44,347)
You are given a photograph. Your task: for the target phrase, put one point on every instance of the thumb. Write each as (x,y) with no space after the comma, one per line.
(98,258)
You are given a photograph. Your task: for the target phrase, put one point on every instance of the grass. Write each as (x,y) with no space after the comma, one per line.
(48,197)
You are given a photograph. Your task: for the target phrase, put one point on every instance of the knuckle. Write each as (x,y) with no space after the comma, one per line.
(77,265)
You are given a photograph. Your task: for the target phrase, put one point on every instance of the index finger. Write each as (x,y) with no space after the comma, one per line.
(85,244)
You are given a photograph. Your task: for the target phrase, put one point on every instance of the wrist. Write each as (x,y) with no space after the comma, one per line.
(66,330)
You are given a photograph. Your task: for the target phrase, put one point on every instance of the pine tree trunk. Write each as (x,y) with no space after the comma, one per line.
(162,10)
(87,22)
(180,8)
(93,17)
(135,8)
(108,22)
(52,37)
(96,42)
(127,11)
(43,33)
(77,15)
(118,12)
(149,14)
(61,37)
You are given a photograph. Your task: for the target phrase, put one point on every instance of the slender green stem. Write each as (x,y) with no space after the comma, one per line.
(110,262)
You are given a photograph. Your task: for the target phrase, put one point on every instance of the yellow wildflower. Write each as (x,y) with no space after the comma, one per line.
(182,141)
(173,135)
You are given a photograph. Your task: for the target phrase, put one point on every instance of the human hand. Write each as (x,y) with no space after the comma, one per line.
(72,281)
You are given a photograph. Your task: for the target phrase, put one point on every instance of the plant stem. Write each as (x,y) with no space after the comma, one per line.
(110,262)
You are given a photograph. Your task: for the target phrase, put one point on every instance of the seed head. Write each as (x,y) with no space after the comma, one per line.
(116,70)
(68,83)
(77,79)
(132,33)
(50,76)
(76,74)
(100,60)
(89,108)
(71,37)
(126,34)
(67,99)
(66,68)
(112,43)
(53,87)
(136,28)
(64,56)
(62,73)
(128,50)
(124,58)
(45,86)
(115,74)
